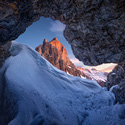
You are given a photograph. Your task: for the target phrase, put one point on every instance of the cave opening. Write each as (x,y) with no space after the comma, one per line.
(46,28)
(95,31)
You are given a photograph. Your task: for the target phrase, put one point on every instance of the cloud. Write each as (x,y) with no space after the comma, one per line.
(103,67)
(75,60)
(57,26)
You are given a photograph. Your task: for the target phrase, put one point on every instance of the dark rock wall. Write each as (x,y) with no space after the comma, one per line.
(94,28)
(117,77)
(4,53)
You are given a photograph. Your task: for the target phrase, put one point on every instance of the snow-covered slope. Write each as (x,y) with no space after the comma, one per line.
(93,74)
(97,75)
(44,94)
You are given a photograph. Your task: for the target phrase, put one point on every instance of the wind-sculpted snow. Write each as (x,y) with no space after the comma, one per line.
(46,95)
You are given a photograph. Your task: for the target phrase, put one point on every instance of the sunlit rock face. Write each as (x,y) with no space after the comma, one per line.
(94,29)
(57,55)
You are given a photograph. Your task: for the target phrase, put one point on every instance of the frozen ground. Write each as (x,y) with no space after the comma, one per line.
(47,95)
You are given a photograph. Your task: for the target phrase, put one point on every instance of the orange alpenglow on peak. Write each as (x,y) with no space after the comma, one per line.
(57,55)
(55,39)
(55,42)
(45,40)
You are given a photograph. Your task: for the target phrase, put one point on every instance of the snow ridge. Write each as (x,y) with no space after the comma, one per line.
(47,95)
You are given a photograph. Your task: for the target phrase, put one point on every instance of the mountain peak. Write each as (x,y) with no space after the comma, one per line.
(55,39)
(55,43)
(57,55)
(45,40)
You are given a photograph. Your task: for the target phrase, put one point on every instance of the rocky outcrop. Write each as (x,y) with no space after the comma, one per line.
(116,80)
(94,28)
(119,92)
(57,55)
(4,53)
(115,76)
(98,36)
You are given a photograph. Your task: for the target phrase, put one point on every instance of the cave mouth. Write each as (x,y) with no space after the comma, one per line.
(48,28)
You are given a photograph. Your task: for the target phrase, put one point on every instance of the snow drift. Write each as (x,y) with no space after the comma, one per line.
(33,92)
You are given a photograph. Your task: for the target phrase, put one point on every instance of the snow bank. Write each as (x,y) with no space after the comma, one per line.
(47,95)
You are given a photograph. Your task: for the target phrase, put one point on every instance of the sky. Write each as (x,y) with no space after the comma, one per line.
(48,28)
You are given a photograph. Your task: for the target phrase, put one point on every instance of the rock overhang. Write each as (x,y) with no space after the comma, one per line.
(94,29)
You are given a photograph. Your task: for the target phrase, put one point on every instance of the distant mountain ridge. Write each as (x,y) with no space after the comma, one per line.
(56,54)
(94,74)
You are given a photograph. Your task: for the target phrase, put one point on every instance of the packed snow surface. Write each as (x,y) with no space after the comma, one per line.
(47,95)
